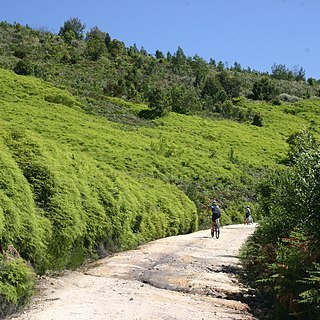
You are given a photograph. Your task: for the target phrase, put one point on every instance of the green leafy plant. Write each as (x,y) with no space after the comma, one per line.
(285,245)
(24,67)
(17,283)
(311,296)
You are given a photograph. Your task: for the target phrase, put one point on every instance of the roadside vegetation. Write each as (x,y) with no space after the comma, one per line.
(282,257)
(105,147)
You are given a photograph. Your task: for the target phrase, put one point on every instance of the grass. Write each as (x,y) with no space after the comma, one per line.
(71,182)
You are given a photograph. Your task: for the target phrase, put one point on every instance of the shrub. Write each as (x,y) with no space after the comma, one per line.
(264,89)
(160,101)
(288,98)
(311,296)
(285,246)
(17,283)
(257,120)
(24,68)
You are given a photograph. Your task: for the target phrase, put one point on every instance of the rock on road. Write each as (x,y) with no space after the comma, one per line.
(182,277)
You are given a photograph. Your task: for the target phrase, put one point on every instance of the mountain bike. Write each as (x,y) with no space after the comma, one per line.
(215,229)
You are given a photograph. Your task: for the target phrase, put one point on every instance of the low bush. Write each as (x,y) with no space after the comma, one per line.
(17,283)
(283,253)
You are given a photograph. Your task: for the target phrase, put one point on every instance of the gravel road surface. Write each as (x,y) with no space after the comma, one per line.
(185,277)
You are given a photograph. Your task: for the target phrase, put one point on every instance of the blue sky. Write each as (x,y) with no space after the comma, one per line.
(254,33)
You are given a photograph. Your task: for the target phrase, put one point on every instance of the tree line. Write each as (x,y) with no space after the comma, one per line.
(171,82)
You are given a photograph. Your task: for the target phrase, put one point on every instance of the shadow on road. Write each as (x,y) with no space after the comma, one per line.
(260,305)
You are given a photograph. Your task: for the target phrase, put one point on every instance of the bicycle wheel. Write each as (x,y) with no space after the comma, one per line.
(217,230)
(218,233)
(212,232)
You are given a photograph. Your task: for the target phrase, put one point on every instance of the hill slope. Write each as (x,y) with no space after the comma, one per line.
(73,184)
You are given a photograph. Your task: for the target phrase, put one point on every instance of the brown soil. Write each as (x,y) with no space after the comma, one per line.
(185,277)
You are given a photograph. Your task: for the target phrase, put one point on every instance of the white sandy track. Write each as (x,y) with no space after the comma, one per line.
(185,277)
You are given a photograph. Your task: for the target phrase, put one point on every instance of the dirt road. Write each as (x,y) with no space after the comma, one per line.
(185,277)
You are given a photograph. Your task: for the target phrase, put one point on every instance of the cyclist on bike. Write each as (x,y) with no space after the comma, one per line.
(248,218)
(216,212)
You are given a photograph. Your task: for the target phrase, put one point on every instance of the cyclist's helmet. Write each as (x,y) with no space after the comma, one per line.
(214,202)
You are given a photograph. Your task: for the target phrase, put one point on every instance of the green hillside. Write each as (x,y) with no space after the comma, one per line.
(83,173)
(71,181)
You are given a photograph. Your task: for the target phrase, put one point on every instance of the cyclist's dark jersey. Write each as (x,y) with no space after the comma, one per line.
(215,212)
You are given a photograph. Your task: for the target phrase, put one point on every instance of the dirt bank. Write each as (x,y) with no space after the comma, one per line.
(186,277)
